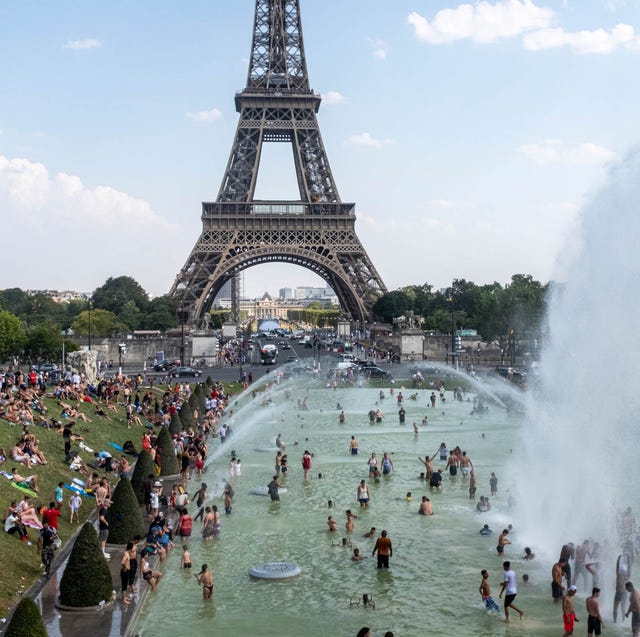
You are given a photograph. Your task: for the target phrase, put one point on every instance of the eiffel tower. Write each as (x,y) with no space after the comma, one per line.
(316,232)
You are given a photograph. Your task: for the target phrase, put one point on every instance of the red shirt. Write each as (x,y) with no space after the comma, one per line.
(51,516)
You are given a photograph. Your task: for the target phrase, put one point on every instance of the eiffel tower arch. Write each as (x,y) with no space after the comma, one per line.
(317,231)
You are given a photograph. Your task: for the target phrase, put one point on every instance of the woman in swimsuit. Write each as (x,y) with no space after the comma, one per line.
(208,524)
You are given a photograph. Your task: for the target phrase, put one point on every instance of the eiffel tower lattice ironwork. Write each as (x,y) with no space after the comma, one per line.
(316,232)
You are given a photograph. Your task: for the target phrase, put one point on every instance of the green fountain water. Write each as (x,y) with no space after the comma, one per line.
(432,585)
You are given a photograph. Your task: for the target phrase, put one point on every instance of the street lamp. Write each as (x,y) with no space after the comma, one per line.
(89,339)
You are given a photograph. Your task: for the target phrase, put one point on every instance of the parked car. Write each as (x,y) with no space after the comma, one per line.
(284,345)
(185,371)
(47,367)
(376,372)
(164,366)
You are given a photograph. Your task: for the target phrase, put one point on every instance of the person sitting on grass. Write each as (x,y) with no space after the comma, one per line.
(13,525)
(30,482)
(20,455)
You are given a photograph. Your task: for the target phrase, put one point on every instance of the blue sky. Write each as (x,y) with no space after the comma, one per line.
(468,134)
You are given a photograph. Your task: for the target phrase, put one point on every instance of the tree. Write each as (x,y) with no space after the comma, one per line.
(103,323)
(186,415)
(26,621)
(124,514)
(131,316)
(43,343)
(161,314)
(175,426)
(114,294)
(391,305)
(169,464)
(12,336)
(86,580)
(143,469)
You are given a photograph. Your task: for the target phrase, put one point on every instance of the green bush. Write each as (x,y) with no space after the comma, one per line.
(124,515)
(144,467)
(86,580)
(201,395)
(169,463)
(194,403)
(186,415)
(175,427)
(26,621)
(209,382)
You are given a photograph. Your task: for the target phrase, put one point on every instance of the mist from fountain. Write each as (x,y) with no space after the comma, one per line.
(579,468)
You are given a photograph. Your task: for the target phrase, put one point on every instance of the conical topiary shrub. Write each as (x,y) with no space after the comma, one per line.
(199,392)
(175,426)
(86,580)
(144,467)
(169,463)
(194,403)
(209,382)
(124,514)
(26,621)
(186,415)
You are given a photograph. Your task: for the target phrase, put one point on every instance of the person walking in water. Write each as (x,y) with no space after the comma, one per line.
(634,609)
(594,619)
(568,612)
(362,494)
(205,579)
(353,446)
(485,592)
(509,588)
(384,549)
(306,464)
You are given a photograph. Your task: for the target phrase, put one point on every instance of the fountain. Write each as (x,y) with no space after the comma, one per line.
(571,460)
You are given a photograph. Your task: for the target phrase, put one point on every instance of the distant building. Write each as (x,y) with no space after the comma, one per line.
(63,296)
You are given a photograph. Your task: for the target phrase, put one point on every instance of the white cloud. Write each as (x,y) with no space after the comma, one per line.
(331,98)
(597,41)
(79,45)
(552,151)
(367,140)
(380,49)
(206,117)
(482,22)
(99,232)
(62,201)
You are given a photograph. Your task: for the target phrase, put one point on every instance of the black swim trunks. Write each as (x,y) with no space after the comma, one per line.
(508,599)
(556,590)
(594,625)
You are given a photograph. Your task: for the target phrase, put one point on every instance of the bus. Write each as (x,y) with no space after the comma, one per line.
(269,354)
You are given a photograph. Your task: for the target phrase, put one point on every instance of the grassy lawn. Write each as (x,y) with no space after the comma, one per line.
(21,563)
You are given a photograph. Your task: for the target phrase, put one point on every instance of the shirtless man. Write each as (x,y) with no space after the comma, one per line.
(568,611)
(425,506)
(350,526)
(465,464)
(331,523)
(353,446)
(472,484)
(594,621)
(502,541)
(557,590)
(428,463)
(634,609)
(30,482)
(205,579)
(370,533)
(485,592)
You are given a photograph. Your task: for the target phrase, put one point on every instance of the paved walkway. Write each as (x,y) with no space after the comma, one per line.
(113,620)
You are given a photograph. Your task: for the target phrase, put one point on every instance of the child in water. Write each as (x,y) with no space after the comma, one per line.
(186,557)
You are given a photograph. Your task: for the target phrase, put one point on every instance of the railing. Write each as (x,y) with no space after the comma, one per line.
(276,208)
